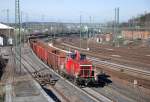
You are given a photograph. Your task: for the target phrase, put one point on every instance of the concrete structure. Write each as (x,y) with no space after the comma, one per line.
(7,34)
(135,34)
(106,37)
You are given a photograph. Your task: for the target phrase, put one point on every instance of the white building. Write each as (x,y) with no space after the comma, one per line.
(7,33)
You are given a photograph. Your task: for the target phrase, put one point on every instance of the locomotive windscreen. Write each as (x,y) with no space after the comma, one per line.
(86,71)
(82,57)
(73,55)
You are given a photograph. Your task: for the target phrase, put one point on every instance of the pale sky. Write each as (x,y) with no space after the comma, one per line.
(70,10)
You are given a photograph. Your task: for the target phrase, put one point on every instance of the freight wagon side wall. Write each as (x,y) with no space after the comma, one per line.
(62,61)
(39,53)
(46,53)
(38,50)
(42,53)
(53,60)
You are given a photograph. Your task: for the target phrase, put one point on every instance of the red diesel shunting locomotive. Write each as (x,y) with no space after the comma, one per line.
(71,64)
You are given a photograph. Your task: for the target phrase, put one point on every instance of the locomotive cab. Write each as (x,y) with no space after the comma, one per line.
(86,74)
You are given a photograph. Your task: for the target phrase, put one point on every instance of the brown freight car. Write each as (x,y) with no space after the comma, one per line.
(49,54)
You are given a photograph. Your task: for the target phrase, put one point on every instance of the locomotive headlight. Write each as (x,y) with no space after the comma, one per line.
(95,77)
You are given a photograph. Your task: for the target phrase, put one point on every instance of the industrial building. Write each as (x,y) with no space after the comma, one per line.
(105,37)
(6,34)
(135,34)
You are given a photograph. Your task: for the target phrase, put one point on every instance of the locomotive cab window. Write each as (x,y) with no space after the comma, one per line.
(85,71)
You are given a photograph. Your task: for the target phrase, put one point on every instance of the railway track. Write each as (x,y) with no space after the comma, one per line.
(124,96)
(119,67)
(136,52)
(26,63)
(9,70)
(87,91)
(121,71)
(40,74)
(110,64)
(9,75)
(128,57)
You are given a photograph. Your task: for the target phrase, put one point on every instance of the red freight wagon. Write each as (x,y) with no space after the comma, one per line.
(38,50)
(45,56)
(53,60)
(41,50)
(42,53)
(56,59)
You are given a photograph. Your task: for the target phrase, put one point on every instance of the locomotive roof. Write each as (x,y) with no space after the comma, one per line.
(83,62)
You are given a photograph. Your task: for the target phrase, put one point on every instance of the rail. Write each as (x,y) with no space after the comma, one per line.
(118,66)
(87,91)
(114,65)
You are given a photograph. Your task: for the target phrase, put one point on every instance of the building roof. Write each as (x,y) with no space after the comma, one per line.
(3,26)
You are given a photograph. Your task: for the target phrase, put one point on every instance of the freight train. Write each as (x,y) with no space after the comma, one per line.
(72,65)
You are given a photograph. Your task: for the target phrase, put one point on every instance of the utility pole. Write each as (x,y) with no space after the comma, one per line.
(26,26)
(90,26)
(93,27)
(43,21)
(21,26)
(80,32)
(18,26)
(116,26)
(88,33)
(7,15)
(55,30)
